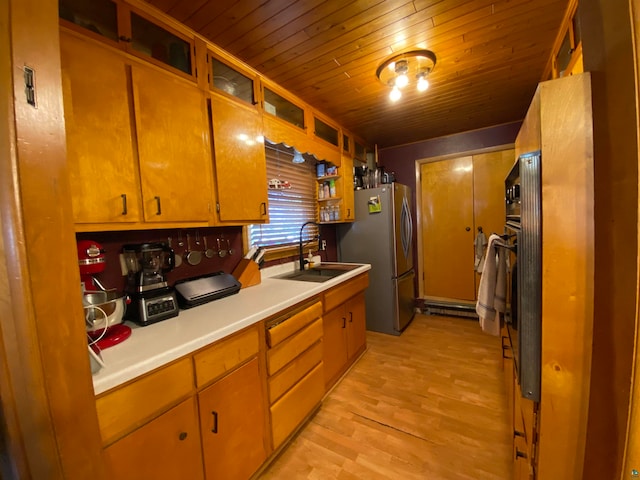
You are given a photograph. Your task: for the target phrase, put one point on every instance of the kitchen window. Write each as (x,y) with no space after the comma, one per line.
(292,202)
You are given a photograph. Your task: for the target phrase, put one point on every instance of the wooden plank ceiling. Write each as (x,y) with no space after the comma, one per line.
(490,56)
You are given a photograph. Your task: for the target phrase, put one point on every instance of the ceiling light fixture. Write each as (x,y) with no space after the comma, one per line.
(412,67)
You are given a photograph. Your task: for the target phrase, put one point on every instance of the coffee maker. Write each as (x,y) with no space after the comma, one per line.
(152,299)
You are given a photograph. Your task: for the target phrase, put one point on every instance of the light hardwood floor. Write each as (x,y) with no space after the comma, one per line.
(430,404)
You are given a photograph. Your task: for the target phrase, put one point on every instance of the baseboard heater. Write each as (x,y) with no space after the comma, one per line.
(451,309)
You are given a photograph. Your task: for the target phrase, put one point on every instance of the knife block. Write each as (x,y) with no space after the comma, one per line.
(247,273)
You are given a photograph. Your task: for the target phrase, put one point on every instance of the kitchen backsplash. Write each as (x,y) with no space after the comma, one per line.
(112,243)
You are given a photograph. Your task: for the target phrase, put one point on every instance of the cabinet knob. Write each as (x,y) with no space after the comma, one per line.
(467,229)
(182,435)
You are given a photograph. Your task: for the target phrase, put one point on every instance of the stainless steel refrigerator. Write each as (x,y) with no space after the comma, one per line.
(382,236)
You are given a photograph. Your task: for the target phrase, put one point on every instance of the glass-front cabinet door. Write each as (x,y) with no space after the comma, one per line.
(97,18)
(130,30)
(162,45)
(231,81)
(282,108)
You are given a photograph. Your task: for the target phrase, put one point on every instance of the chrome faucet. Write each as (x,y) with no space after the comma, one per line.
(302,260)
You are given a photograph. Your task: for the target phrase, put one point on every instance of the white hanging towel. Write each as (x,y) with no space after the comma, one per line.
(478,245)
(492,294)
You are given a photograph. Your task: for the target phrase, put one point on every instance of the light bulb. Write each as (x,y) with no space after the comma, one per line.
(395,94)
(402,80)
(423,84)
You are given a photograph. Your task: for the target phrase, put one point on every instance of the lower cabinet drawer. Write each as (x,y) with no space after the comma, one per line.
(168,448)
(126,408)
(225,355)
(294,371)
(292,347)
(288,412)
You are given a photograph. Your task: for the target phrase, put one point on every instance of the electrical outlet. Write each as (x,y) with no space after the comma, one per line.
(323,245)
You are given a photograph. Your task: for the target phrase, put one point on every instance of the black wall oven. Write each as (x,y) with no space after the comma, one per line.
(524,231)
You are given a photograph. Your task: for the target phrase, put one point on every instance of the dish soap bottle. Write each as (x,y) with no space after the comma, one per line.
(310,259)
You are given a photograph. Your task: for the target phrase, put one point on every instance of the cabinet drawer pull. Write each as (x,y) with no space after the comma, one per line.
(124,203)
(159,209)
(520,454)
(215,422)
(517,433)
(182,436)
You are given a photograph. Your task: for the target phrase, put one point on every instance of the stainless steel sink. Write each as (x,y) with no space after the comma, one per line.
(319,274)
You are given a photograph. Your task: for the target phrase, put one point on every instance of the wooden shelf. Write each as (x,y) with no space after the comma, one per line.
(326,178)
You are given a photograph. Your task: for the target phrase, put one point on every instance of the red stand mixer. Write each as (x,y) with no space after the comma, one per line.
(104,308)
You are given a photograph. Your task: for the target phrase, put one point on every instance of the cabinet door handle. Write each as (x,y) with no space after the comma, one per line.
(263,206)
(215,422)
(350,317)
(348,213)
(520,454)
(124,203)
(344,322)
(517,433)
(182,436)
(159,207)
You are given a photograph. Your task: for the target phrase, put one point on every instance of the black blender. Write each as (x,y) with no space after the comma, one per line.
(152,299)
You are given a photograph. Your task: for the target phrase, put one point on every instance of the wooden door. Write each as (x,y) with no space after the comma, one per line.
(240,162)
(168,447)
(356,324)
(489,172)
(447,229)
(232,424)
(334,325)
(102,168)
(173,147)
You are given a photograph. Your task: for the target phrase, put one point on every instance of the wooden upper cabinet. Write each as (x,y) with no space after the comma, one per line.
(348,201)
(102,167)
(240,162)
(132,30)
(173,147)
(566,57)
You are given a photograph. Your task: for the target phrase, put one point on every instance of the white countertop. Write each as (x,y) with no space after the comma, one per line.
(155,345)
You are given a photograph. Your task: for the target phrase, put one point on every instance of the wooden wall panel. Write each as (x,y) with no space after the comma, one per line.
(48,393)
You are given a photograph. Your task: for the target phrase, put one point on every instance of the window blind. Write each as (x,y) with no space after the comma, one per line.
(290,206)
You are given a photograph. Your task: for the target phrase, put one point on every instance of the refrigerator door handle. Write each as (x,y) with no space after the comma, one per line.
(406,228)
